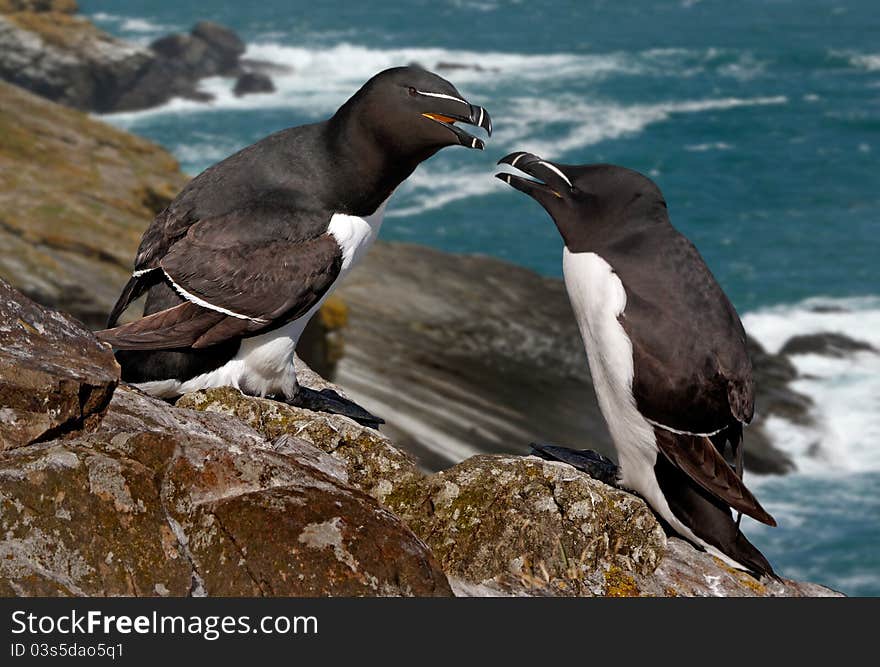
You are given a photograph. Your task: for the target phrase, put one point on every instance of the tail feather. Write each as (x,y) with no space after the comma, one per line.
(133,290)
(176,327)
(708,517)
(698,457)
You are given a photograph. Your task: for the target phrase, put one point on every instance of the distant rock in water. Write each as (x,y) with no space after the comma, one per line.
(209,50)
(224,46)
(61,6)
(68,60)
(825,344)
(449,66)
(253,82)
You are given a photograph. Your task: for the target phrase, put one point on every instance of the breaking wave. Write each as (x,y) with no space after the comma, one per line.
(845,390)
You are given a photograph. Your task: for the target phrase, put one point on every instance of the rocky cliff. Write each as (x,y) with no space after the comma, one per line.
(105,491)
(75,194)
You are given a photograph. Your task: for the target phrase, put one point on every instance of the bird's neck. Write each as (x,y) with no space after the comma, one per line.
(362,158)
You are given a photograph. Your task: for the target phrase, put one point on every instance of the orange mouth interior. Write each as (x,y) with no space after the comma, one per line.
(437,116)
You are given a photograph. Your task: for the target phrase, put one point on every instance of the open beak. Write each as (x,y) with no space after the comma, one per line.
(550,180)
(478,117)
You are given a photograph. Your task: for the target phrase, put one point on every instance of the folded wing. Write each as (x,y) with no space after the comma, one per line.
(239,276)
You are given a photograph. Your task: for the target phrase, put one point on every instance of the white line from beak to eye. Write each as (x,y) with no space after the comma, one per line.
(556,171)
(141,272)
(443,96)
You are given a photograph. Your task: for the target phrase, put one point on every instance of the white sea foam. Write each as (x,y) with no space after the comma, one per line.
(321,78)
(132,24)
(583,124)
(144,25)
(555,126)
(845,390)
(868,61)
(591,122)
(710,146)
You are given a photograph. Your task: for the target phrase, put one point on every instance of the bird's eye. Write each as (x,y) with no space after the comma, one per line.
(412,91)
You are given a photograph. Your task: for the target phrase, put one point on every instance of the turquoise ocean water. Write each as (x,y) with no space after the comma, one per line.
(760,120)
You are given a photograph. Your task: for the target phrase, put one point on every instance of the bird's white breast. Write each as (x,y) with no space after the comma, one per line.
(355,234)
(598,298)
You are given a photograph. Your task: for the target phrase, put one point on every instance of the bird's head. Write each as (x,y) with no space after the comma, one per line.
(587,202)
(414,113)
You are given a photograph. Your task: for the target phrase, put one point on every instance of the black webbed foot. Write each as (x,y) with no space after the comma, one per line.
(586,460)
(328,400)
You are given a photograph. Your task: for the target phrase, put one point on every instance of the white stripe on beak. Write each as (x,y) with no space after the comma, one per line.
(443,96)
(556,171)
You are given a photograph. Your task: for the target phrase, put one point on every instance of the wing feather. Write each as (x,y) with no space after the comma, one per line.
(241,276)
(697,457)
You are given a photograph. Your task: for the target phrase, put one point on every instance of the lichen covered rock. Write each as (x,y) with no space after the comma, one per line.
(166,501)
(687,572)
(55,377)
(524,523)
(371,462)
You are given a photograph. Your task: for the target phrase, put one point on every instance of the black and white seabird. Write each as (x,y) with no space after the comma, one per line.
(666,349)
(244,256)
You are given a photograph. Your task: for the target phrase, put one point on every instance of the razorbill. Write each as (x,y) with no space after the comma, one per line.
(666,349)
(244,256)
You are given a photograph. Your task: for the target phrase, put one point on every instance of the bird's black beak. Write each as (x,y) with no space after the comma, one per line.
(451,113)
(551,184)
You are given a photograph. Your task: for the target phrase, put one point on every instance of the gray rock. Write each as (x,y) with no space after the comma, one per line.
(253,82)
(826,344)
(686,572)
(55,377)
(68,60)
(224,46)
